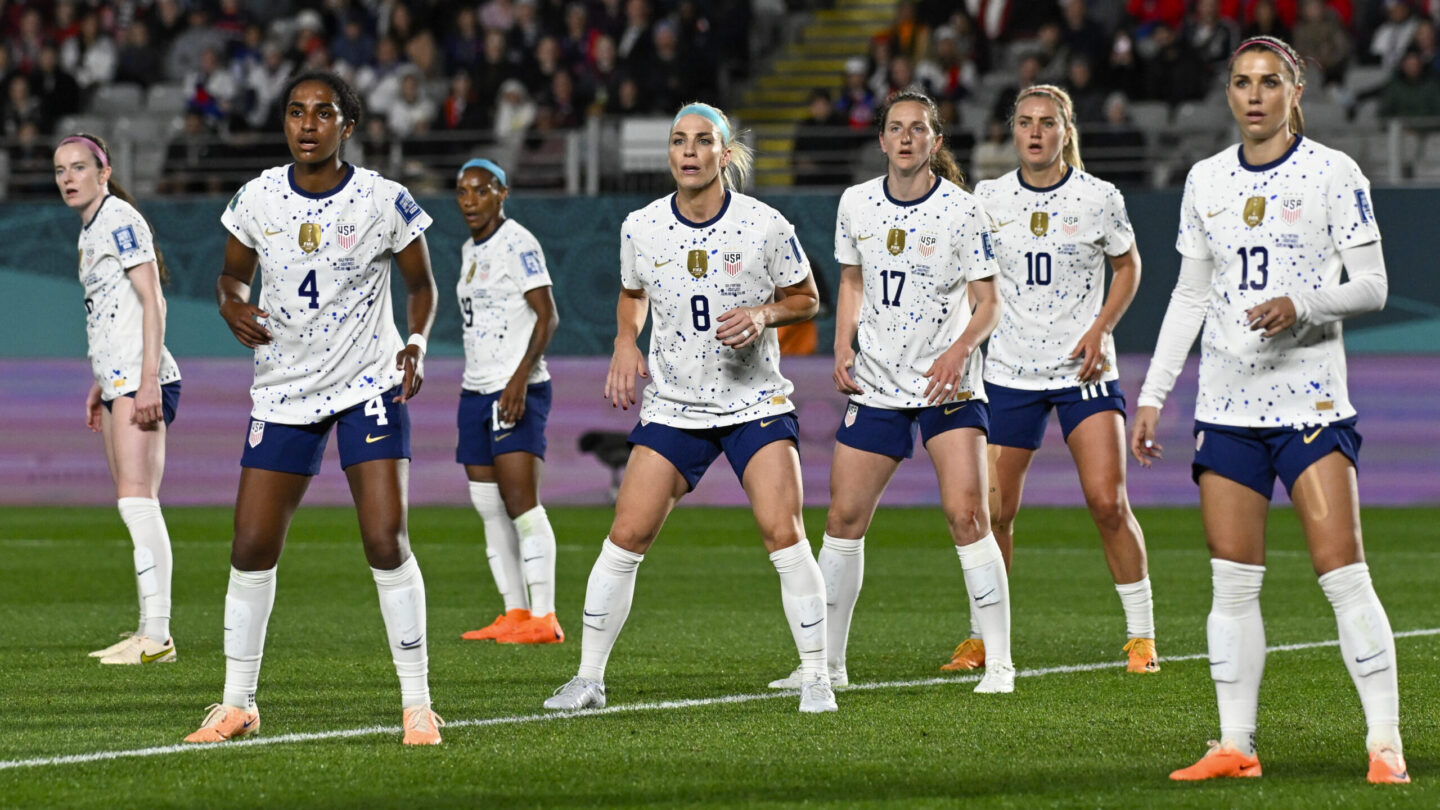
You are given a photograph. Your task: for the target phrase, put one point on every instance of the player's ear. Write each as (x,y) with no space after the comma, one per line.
(347,131)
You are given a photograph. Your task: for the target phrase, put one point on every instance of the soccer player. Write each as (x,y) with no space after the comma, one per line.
(322,233)
(1265,229)
(720,270)
(914,251)
(1055,227)
(136,385)
(508,318)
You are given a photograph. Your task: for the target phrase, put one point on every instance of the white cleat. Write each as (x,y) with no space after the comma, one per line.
(999,679)
(579,693)
(126,639)
(143,650)
(816,696)
(839,679)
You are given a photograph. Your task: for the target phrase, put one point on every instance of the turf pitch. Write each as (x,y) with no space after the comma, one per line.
(694,724)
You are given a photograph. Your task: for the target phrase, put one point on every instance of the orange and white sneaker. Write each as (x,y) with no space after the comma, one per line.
(503,624)
(143,650)
(1387,767)
(539,630)
(1222,761)
(1142,655)
(422,726)
(970,654)
(226,723)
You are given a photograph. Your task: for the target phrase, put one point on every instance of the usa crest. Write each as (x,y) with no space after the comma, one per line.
(1070,224)
(895,241)
(1291,206)
(346,234)
(1254,211)
(310,237)
(698,263)
(732,262)
(850,414)
(927,244)
(1039,223)
(257,432)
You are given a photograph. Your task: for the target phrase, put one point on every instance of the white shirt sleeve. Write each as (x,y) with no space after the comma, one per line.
(785,259)
(1183,320)
(1119,234)
(530,260)
(629,279)
(407,219)
(236,217)
(1191,242)
(847,250)
(1364,292)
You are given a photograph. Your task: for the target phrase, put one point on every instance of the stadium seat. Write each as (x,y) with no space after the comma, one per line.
(1150,116)
(643,144)
(82,123)
(165,99)
(1325,117)
(1361,78)
(1193,117)
(117,99)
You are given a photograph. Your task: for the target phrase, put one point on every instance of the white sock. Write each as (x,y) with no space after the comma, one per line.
(402,604)
(975,624)
(607,604)
(802,593)
(537,552)
(1139,608)
(153,563)
(842,563)
(1368,646)
(989,588)
(502,545)
(248,601)
(1236,636)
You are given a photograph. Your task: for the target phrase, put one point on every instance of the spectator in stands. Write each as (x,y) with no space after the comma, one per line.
(899,78)
(635,47)
(628,100)
(1175,72)
(673,81)
(1027,73)
(465,42)
(190,46)
(545,63)
(1322,40)
(608,17)
(423,55)
(21,106)
(1087,98)
(1148,14)
(1265,22)
(957,74)
(602,78)
(399,25)
(995,155)
(1212,37)
(514,115)
(138,60)
(1049,46)
(856,102)
(495,67)
(1425,43)
(1413,93)
(497,15)
(212,88)
(90,55)
(411,110)
(190,158)
(166,25)
(380,83)
(1392,38)
(1122,68)
(579,36)
(32,167)
(354,45)
(264,84)
(25,47)
(458,111)
(558,107)
(525,33)
(57,90)
(377,145)
(1116,150)
(907,35)
(65,23)
(230,19)
(1083,36)
(824,145)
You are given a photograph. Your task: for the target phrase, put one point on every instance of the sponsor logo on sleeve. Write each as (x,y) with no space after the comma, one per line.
(1362,202)
(987,246)
(408,208)
(530,260)
(125,241)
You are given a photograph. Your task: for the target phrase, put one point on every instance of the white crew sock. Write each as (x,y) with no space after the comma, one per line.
(502,545)
(1139,608)
(842,563)
(248,601)
(1368,646)
(802,593)
(989,588)
(975,623)
(153,563)
(607,604)
(1236,636)
(402,604)
(537,552)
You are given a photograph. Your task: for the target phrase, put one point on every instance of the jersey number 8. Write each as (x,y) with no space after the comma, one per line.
(700,313)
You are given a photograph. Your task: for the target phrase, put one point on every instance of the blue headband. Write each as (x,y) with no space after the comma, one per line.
(487,165)
(707,112)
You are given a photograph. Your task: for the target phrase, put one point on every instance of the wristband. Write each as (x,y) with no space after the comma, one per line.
(417,339)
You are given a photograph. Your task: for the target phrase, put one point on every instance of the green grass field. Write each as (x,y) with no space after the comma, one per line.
(707,626)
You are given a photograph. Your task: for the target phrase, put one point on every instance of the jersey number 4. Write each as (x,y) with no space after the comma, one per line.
(309,289)
(1261,256)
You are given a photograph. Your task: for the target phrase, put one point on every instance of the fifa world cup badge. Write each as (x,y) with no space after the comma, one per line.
(1039,223)
(310,237)
(698,263)
(895,241)
(1254,211)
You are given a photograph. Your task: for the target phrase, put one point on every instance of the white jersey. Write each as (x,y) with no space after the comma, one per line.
(1052,243)
(1273,230)
(693,272)
(915,259)
(325,281)
(497,321)
(116,239)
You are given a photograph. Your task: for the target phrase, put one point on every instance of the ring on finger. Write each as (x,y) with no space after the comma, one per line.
(745,335)
(948,386)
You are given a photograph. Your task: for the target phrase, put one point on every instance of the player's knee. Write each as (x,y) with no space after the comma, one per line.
(1109,511)
(631,538)
(846,523)
(783,535)
(518,499)
(967,523)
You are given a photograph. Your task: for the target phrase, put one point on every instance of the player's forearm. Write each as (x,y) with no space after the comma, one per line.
(228,288)
(1364,292)
(420,308)
(847,307)
(793,308)
(630,312)
(153,336)
(1184,318)
(545,325)
(984,318)
(1124,282)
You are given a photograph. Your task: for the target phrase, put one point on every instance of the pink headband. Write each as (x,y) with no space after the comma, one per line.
(1266,42)
(92,146)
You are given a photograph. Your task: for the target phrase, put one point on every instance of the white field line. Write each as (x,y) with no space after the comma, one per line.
(626,708)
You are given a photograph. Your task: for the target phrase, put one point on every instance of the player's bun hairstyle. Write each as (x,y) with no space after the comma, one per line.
(119,191)
(1292,62)
(1070,153)
(345,96)
(943,161)
(736,173)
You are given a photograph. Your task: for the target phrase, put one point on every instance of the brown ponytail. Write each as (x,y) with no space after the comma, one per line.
(1070,152)
(120,192)
(1292,62)
(943,162)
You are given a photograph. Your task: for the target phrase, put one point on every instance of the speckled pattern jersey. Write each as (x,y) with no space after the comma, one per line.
(1273,230)
(915,259)
(693,272)
(116,239)
(325,282)
(1052,243)
(496,320)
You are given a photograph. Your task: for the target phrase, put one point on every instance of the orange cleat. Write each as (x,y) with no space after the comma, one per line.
(503,624)
(539,630)
(1387,767)
(422,726)
(969,655)
(1222,761)
(225,723)
(1142,655)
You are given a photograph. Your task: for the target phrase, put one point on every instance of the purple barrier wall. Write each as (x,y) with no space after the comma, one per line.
(47,455)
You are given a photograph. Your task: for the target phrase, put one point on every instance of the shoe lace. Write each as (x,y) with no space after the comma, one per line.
(572,686)
(964,647)
(1388,755)
(816,689)
(214,713)
(424,719)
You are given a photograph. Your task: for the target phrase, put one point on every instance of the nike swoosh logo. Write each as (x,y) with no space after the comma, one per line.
(949,411)
(662,264)
(985,594)
(146,571)
(1360,660)
(528,559)
(765,424)
(269,232)
(146,658)
(1213,214)
(410,645)
(372,439)
(249,723)
(1218,663)
(1003,224)
(804,626)
(866,236)
(499,436)
(596,615)
(1312,436)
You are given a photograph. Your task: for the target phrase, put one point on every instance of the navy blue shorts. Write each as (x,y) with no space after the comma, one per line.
(693,451)
(375,429)
(169,400)
(1018,416)
(1255,456)
(481,441)
(891,432)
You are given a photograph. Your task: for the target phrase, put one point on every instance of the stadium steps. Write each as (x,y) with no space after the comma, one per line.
(776,101)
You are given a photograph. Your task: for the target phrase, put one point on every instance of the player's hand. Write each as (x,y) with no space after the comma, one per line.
(1274,316)
(844,361)
(512,399)
(945,374)
(93,406)
(1142,436)
(147,412)
(740,327)
(1091,347)
(625,363)
(409,360)
(241,317)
